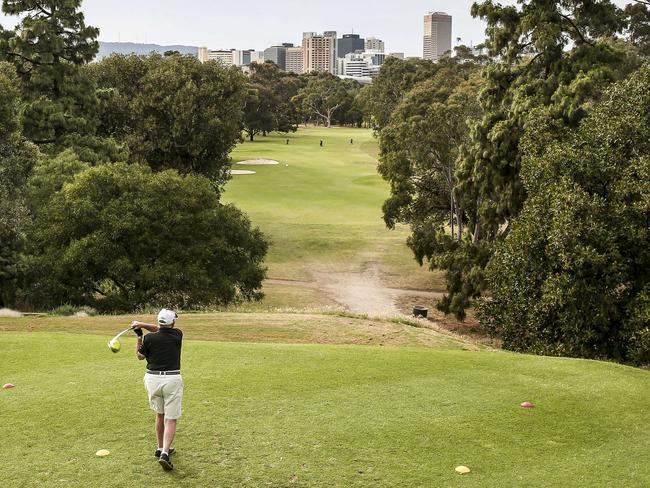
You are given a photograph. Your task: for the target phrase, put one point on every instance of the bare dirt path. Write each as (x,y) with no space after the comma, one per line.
(360,292)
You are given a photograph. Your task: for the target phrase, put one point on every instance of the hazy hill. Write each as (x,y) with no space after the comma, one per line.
(108,48)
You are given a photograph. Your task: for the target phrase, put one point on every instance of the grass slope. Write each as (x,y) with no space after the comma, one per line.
(303,328)
(321,207)
(320,416)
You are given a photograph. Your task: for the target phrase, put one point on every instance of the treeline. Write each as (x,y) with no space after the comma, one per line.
(279,101)
(527,179)
(111,173)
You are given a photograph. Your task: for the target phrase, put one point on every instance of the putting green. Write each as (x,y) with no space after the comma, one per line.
(319,416)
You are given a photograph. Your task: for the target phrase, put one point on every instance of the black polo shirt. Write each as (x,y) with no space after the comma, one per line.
(163,349)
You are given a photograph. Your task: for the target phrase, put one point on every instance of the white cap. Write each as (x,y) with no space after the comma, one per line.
(167,317)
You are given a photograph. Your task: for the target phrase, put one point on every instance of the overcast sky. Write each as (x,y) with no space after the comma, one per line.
(257,24)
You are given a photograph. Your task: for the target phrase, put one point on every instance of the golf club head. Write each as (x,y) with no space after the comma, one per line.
(114,345)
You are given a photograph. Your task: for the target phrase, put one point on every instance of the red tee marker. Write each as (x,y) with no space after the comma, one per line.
(7,386)
(527,405)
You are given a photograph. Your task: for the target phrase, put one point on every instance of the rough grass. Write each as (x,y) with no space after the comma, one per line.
(300,328)
(284,415)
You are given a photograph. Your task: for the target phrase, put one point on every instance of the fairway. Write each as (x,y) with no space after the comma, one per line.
(284,415)
(321,209)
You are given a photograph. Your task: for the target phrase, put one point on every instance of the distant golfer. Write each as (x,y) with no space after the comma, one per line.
(321,143)
(163,382)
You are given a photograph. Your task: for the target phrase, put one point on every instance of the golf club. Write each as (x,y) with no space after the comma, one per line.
(114,344)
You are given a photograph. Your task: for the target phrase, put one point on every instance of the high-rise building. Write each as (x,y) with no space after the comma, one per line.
(319,52)
(361,64)
(374,44)
(225,57)
(437,35)
(294,60)
(278,54)
(350,43)
(257,57)
(396,55)
(242,57)
(203,54)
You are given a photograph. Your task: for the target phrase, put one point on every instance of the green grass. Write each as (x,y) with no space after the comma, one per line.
(285,415)
(323,211)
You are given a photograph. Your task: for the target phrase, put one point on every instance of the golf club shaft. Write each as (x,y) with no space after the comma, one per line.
(121,334)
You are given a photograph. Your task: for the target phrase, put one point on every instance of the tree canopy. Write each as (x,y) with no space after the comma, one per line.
(17,157)
(323,95)
(118,237)
(172,112)
(559,55)
(572,277)
(47,46)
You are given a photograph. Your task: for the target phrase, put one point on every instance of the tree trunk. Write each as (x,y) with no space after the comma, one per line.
(452,209)
(251,136)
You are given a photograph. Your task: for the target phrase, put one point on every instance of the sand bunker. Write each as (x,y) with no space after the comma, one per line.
(5,312)
(258,162)
(241,172)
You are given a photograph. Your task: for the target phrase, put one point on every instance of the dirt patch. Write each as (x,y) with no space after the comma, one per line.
(361,292)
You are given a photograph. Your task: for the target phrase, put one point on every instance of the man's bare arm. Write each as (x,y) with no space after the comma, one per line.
(147,327)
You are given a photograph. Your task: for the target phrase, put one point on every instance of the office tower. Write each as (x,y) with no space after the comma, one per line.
(350,43)
(257,57)
(319,52)
(361,64)
(225,57)
(437,35)
(242,57)
(377,58)
(203,54)
(396,55)
(374,44)
(278,54)
(294,60)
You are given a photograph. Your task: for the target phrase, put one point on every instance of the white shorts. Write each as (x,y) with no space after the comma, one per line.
(165,394)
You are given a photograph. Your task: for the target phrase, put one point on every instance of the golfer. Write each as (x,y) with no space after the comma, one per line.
(163,382)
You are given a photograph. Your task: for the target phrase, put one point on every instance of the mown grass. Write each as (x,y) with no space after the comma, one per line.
(321,207)
(284,415)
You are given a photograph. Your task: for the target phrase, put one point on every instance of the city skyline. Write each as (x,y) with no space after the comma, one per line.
(209,24)
(254,25)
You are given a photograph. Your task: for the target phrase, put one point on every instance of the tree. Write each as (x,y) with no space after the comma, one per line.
(118,237)
(572,278)
(350,113)
(322,97)
(259,116)
(396,78)
(560,55)
(419,150)
(172,112)
(17,157)
(47,48)
(268,105)
(639,25)
(287,115)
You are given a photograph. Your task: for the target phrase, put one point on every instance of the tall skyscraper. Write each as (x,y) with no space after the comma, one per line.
(294,60)
(350,43)
(374,44)
(437,35)
(319,52)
